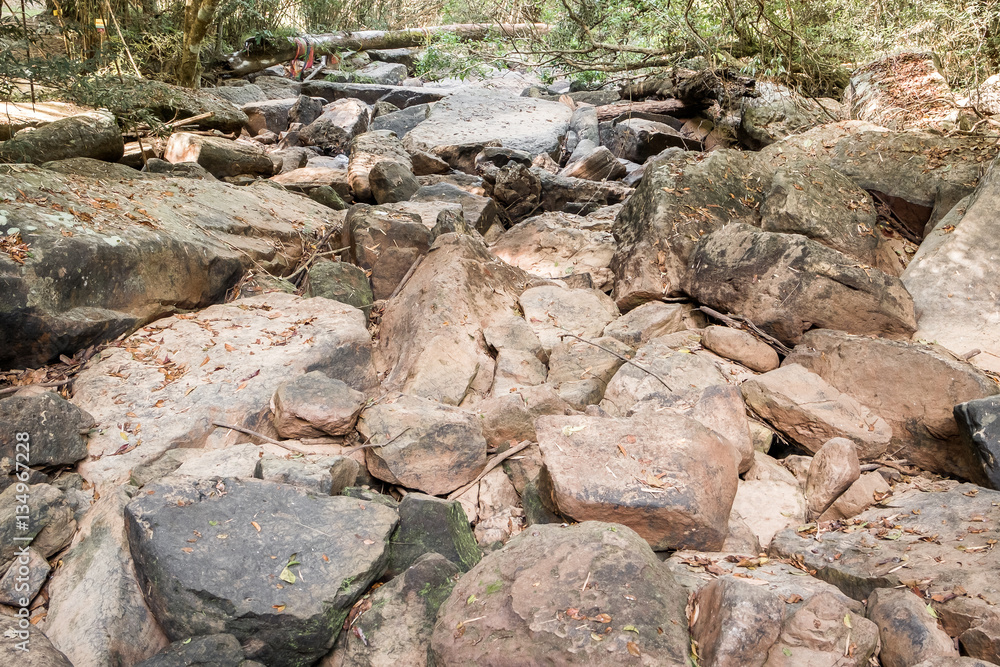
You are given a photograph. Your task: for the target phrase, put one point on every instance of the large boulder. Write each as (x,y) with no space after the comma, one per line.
(281,587)
(682,197)
(820,203)
(911,386)
(589,594)
(903,90)
(945,540)
(118,261)
(221,157)
(169,103)
(666,476)
(776,112)
(367,150)
(93,135)
(556,245)
(979,423)
(787,284)
(97,613)
(339,123)
(431,340)
(954,282)
(421,444)
(53,425)
(918,174)
(187,372)
(553,311)
(809,411)
(384,242)
(521,123)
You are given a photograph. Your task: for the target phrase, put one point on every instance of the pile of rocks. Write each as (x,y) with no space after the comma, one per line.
(572,392)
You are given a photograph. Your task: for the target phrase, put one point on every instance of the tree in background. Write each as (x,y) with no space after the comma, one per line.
(198,17)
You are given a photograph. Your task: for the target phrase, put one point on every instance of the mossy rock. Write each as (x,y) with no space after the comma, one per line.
(432,525)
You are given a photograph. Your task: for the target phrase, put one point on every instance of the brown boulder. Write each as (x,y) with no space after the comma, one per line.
(911,386)
(665,476)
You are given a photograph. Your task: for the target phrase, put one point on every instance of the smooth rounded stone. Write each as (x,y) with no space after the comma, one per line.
(237,575)
(391,182)
(328,476)
(340,281)
(740,346)
(221,157)
(816,635)
(909,633)
(885,375)
(551,311)
(650,320)
(788,284)
(431,525)
(97,614)
(396,629)
(769,506)
(27,646)
(862,494)
(315,404)
(94,134)
(810,411)
(681,498)
(222,650)
(834,468)
(434,448)
(53,426)
(736,623)
(979,425)
(546,595)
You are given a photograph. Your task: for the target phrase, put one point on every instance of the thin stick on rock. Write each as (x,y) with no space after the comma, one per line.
(622,357)
(744,322)
(11,390)
(285,445)
(494,462)
(369,445)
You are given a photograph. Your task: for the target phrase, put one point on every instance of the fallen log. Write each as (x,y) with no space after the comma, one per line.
(255,56)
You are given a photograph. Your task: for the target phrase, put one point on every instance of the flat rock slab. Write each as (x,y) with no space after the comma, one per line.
(465,117)
(954,281)
(666,476)
(168,382)
(589,594)
(273,565)
(102,263)
(942,542)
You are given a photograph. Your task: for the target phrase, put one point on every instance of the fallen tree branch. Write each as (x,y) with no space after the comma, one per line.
(254,58)
(737,322)
(11,390)
(622,357)
(285,445)
(369,445)
(493,463)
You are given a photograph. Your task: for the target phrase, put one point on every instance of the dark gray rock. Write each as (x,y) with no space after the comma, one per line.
(52,429)
(909,633)
(431,525)
(222,650)
(49,526)
(25,577)
(979,425)
(392,182)
(342,282)
(737,622)
(404,120)
(285,610)
(94,135)
(402,97)
(306,109)
(36,651)
(396,629)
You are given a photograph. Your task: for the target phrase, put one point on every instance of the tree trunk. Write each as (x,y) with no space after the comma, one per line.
(198,16)
(256,58)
